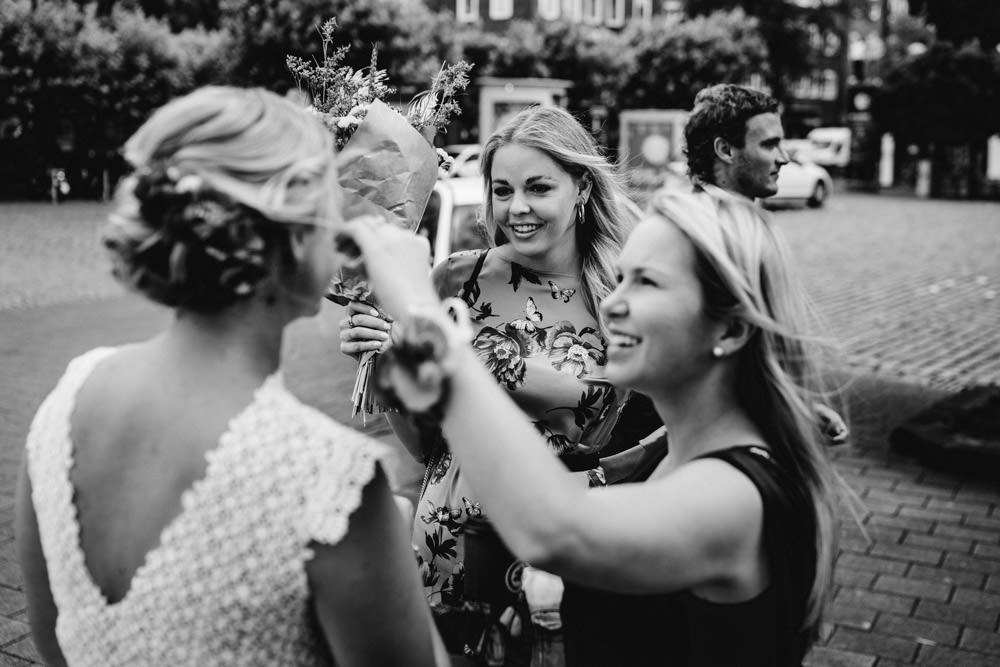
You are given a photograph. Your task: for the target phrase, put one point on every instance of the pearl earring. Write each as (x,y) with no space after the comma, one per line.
(718,352)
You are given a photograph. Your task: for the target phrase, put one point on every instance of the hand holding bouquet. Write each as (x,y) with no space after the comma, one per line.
(387,163)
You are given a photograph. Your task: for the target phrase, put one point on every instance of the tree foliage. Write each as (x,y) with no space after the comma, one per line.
(74,85)
(947,95)
(266,31)
(674,61)
(784,27)
(906,33)
(961,21)
(77,77)
(593,59)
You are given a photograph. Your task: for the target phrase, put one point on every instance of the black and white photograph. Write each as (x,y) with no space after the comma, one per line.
(500,333)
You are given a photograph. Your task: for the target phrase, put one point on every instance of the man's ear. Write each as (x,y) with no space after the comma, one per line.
(723,150)
(736,334)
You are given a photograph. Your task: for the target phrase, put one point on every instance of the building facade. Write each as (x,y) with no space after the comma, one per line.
(495,14)
(844,52)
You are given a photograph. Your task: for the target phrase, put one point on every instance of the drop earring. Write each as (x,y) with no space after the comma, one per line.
(579,212)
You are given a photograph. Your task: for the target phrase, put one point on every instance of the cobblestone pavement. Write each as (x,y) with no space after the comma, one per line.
(51,254)
(908,287)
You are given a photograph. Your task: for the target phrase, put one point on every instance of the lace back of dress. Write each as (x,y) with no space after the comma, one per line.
(227,583)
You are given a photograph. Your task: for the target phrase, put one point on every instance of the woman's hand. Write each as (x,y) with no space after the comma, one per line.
(363,330)
(396,263)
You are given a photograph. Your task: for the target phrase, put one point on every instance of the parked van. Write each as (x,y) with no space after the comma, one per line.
(831,146)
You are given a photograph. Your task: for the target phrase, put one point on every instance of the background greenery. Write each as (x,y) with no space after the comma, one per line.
(77,78)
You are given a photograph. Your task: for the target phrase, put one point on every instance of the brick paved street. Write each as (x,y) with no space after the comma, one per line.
(910,289)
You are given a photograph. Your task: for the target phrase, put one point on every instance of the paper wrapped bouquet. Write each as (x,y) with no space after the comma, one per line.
(387,164)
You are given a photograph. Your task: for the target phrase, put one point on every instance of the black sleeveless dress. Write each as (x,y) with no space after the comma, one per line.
(679,629)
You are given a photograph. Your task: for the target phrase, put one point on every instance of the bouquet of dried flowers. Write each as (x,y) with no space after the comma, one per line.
(387,162)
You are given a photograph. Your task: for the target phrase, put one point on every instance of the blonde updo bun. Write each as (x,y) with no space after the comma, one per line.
(221,174)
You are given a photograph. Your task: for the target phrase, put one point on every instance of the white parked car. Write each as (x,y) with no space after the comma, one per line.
(451,219)
(831,146)
(798,181)
(802,181)
(799,149)
(466,160)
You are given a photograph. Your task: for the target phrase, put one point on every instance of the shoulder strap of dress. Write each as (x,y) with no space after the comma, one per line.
(469,286)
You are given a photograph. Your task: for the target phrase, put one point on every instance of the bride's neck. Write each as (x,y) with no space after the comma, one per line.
(244,337)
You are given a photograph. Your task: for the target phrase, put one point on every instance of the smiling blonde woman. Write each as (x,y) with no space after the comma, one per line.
(556,217)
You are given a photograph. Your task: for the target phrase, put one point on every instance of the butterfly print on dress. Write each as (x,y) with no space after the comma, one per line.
(564,294)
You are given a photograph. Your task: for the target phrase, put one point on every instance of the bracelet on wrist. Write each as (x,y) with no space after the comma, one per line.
(415,373)
(597,477)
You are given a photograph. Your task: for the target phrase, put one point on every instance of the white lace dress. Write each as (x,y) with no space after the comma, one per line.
(227,583)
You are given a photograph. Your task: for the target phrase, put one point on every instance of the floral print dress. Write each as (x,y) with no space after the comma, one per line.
(534,334)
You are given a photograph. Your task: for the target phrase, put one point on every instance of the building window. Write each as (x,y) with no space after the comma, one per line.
(548,10)
(832,47)
(572,10)
(830,84)
(875,10)
(615,13)
(757,82)
(673,10)
(501,10)
(899,7)
(642,9)
(466,11)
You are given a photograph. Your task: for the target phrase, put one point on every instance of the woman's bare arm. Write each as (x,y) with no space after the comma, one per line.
(689,528)
(367,590)
(42,610)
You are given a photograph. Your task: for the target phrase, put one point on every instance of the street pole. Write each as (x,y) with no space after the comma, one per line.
(842,22)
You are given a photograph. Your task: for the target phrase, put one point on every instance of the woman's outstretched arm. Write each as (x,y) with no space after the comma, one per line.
(367,590)
(691,527)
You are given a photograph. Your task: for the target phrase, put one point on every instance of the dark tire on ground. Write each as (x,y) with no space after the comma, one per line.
(818,195)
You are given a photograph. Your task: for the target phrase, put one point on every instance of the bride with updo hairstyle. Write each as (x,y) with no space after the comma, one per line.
(201,219)
(177,504)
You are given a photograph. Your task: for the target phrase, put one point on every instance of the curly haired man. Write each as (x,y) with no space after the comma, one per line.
(733,140)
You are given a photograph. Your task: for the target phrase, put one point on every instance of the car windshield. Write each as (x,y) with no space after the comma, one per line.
(466,233)
(429,221)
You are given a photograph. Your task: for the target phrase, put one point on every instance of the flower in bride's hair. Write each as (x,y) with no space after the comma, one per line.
(189,183)
(208,212)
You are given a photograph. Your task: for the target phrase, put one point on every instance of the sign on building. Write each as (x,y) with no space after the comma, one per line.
(501,98)
(650,140)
